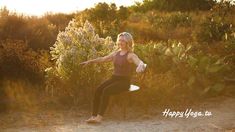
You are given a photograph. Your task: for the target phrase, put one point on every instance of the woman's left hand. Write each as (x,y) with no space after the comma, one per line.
(141,67)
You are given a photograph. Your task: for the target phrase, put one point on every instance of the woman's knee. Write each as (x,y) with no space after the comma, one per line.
(107,91)
(99,90)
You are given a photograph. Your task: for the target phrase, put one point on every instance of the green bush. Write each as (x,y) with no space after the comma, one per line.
(73,46)
(214,29)
(195,73)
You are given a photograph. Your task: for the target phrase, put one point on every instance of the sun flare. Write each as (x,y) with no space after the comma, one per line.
(33,7)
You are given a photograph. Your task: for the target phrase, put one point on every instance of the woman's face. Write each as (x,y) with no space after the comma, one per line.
(122,42)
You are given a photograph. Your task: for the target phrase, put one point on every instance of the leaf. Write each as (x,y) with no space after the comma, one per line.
(191,81)
(218,87)
(206,90)
(168,52)
(175,59)
(192,61)
(219,61)
(188,47)
(214,68)
(176,50)
(204,62)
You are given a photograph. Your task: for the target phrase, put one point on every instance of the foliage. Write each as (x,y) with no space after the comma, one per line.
(39,33)
(105,18)
(17,60)
(214,29)
(194,72)
(218,25)
(75,45)
(173,5)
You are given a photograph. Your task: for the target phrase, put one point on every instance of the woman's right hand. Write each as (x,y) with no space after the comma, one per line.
(84,63)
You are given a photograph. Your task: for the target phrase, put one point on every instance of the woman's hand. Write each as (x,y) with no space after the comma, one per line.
(84,63)
(141,67)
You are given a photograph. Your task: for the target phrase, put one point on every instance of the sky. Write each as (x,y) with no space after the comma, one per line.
(39,7)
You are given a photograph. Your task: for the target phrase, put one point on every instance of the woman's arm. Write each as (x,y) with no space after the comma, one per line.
(135,59)
(106,58)
(138,62)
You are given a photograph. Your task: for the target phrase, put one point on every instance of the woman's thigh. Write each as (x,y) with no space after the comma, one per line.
(104,84)
(116,87)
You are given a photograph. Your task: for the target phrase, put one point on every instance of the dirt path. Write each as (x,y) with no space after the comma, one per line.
(222,119)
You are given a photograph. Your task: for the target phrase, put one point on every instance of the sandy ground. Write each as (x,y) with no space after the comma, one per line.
(222,119)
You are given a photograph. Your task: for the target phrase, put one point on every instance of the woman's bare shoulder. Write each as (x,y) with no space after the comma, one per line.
(131,54)
(114,52)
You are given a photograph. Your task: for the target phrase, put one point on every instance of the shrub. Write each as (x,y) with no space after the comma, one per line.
(17,60)
(73,46)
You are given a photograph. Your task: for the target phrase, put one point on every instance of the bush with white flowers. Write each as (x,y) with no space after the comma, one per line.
(75,45)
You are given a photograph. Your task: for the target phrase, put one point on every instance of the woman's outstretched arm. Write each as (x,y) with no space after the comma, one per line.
(106,58)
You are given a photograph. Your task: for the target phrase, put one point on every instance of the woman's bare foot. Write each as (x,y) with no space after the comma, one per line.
(91,119)
(97,119)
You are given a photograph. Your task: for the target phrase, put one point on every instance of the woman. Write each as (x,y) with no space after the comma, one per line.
(123,60)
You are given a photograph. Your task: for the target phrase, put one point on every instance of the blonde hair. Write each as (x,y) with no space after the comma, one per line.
(129,40)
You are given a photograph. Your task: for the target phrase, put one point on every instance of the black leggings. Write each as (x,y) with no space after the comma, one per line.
(114,85)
